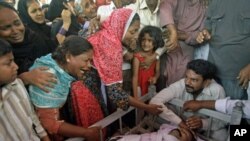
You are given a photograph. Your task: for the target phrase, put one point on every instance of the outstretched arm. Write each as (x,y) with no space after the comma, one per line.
(195,105)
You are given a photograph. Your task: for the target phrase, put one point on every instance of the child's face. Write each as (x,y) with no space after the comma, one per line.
(8,69)
(147,43)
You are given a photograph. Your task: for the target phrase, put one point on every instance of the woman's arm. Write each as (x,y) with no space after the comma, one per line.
(151,108)
(50,119)
(66,17)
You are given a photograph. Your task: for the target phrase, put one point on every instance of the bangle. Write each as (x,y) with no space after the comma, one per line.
(62,31)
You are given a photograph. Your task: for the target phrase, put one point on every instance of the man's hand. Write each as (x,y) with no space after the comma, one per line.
(194,122)
(172,42)
(244,76)
(93,134)
(69,7)
(40,78)
(192,105)
(154,109)
(203,36)
(182,124)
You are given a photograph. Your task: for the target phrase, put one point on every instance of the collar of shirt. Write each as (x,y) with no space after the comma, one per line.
(5,90)
(143,5)
(207,90)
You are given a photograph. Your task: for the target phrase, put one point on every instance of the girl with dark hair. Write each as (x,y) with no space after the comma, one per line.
(150,38)
(119,29)
(67,63)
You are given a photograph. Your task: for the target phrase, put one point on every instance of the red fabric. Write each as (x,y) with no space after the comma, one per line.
(85,105)
(145,74)
(102,2)
(108,48)
(50,120)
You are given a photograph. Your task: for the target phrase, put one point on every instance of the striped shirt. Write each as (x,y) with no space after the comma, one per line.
(18,121)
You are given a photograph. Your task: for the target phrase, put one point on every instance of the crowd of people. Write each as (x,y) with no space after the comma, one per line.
(67,64)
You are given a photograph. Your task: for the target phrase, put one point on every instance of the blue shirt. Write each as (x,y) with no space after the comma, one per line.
(57,96)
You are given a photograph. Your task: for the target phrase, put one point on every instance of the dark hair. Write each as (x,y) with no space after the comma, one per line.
(5,47)
(73,45)
(155,33)
(202,67)
(135,18)
(22,7)
(7,5)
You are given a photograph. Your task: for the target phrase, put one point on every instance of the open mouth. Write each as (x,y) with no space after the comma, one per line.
(82,71)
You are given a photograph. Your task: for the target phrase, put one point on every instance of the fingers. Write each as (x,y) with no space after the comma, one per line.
(243,82)
(42,87)
(194,122)
(203,36)
(200,38)
(206,35)
(69,7)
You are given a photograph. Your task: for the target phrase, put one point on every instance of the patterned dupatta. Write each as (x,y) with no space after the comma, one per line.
(108,47)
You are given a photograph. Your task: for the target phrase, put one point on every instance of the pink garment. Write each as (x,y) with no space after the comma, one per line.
(108,47)
(176,63)
(102,2)
(144,74)
(187,15)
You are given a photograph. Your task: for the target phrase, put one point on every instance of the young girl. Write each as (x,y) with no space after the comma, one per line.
(150,38)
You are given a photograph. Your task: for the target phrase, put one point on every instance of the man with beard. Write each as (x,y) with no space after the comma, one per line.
(198,84)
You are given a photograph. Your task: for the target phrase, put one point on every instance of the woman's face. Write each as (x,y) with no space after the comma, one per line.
(35,12)
(89,8)
(77,65)
(11,26)
(131,35)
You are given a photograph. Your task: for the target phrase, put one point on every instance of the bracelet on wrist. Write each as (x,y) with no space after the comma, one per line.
(62,31)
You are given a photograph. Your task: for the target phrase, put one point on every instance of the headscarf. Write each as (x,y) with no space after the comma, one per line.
(42,29)
(108,47)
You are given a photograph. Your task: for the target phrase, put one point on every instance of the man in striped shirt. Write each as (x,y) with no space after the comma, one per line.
(18,122)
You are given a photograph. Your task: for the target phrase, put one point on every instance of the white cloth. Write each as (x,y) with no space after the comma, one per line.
(105,11)
(226,106)
(17,116)
(160,135)
(201,52)
(146,16)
